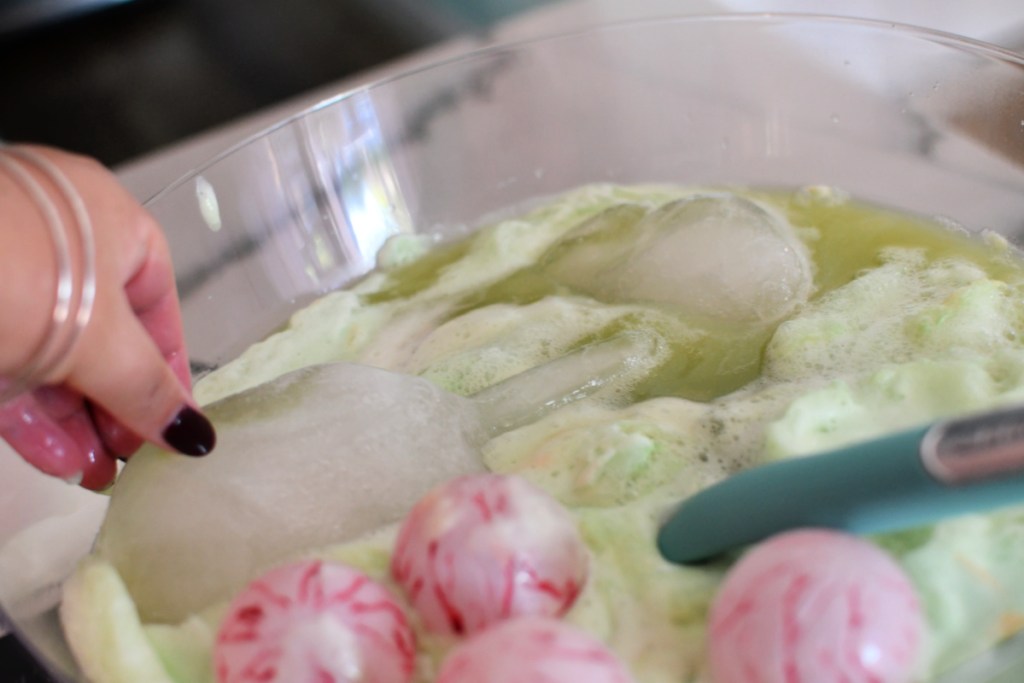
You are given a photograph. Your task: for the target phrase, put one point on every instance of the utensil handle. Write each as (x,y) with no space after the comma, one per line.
(869,487)
(975,448)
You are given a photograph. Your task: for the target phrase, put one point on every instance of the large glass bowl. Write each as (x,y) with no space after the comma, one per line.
(920,120)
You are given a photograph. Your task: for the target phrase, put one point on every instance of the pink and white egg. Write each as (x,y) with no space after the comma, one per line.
(314,622)
(485,548)
(532,650)
(497,560)
(475,552)
(815,606)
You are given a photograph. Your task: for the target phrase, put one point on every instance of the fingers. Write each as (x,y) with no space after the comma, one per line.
(131,361)
(99,466)
(39,439)
(120,368)
(118,439)
(53,431)
(127,376)
(153,299)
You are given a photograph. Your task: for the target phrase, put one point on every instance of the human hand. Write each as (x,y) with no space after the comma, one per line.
(126,377)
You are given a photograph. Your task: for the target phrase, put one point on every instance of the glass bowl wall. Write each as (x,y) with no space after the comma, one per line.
(913,119)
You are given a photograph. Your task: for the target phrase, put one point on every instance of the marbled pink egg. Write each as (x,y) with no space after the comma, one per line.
(532,650)
(314,622)
(487,547)
(815,606)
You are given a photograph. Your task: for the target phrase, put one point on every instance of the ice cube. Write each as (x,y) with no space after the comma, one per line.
(717,255)
(316,457)
(609,368)
(594,247)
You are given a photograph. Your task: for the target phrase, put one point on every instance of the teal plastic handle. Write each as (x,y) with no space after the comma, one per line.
(871,487)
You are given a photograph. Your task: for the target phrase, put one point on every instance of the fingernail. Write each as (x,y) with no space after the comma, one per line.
(190,433)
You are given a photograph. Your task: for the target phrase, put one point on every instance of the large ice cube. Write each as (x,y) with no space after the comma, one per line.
(717,255)
(316,457)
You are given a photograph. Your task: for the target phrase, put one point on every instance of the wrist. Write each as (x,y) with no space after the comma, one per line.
(47,255)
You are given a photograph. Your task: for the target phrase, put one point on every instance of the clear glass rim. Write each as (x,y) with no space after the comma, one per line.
(945,38)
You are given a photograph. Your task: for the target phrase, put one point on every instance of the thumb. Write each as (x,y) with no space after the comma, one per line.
(120,368)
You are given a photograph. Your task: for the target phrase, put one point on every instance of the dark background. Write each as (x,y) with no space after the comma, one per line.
(16,666)
(118,79)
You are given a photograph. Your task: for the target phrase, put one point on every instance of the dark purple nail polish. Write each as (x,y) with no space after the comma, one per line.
(190,433)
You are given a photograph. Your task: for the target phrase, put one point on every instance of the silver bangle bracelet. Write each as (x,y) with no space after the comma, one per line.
(75,251)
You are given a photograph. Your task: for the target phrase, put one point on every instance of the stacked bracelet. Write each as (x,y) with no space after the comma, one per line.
(76,264)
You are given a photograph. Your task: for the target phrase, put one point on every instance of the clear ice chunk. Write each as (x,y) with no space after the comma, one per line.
(317,457)
(716,255)
(611,368)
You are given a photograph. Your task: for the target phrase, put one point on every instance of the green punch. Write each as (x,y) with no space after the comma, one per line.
(903,480)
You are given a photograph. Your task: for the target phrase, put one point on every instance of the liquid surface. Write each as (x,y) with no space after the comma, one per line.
(883,321)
